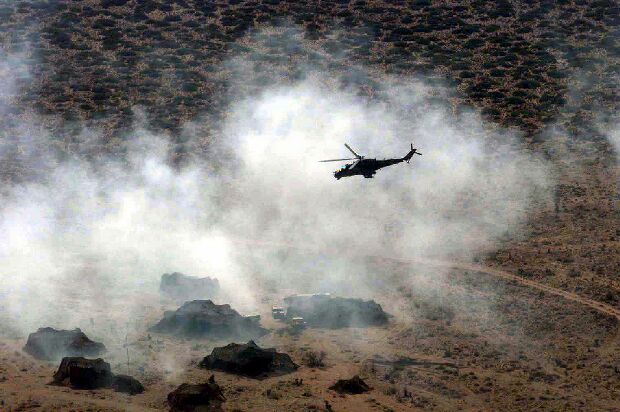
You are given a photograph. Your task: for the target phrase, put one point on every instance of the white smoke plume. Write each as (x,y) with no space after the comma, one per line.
(614,138)
(90,239)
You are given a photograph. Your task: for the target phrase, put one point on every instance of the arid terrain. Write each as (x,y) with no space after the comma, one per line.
(481,342)
(530,321)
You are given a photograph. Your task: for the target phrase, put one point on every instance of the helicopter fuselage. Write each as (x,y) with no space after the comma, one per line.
(365,167)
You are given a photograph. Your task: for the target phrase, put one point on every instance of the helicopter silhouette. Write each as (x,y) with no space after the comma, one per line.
(367,167)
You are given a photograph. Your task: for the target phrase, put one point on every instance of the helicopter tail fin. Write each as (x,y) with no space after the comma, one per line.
(413,151)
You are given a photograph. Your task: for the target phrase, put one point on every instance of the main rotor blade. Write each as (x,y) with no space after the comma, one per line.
(352,151)
(336,160)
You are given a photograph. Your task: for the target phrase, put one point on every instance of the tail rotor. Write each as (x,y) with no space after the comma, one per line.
(413,151)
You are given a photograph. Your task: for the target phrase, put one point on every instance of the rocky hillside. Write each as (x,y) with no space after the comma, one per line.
(516,61)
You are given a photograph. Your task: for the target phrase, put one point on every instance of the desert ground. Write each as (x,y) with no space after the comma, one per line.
(526,321)
(484,340)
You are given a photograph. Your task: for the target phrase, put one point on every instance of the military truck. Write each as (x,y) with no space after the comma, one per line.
(278,312)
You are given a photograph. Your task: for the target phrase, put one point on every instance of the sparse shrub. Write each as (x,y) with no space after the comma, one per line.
(474,43)
(467,29)
(314,359)
(272,394)
(491,112)
(514,100)
(492,28)
(609,297)
(460,65)
(103,23)
(113,3)
(391,390)
(434,311)
(528,84)
(189,87)
(525,273)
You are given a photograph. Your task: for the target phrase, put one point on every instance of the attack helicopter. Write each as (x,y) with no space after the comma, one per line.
(367,167)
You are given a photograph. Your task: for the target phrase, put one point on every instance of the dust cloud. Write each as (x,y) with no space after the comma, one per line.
(90,238)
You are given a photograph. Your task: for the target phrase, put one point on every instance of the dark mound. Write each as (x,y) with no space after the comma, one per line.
(52,344)
(179,286)
(335,312)
(203,318)
(81,373)
(205,397)
(249,360)
(353,386)
(127,384)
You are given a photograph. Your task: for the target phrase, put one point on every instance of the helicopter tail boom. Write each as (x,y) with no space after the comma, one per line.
(409,155)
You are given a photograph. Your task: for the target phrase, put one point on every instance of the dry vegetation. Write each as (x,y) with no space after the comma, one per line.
(514,60)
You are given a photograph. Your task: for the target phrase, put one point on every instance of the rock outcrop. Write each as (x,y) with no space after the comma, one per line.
(249,359)
(182,287)
(52,344)
(203,318)
(327,311)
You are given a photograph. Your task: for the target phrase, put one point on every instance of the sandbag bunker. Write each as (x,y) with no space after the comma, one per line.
(82,373)
(181,287)
(52,344)
(250,360)
(205,319)
(206,396)
(201,318)
(331,312)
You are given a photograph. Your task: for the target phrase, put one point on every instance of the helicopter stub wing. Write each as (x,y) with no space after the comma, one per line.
(354,164)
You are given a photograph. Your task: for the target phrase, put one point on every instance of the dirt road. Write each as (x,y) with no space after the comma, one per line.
(599,306)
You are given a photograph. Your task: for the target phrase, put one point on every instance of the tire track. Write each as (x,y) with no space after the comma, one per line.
(594,304)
